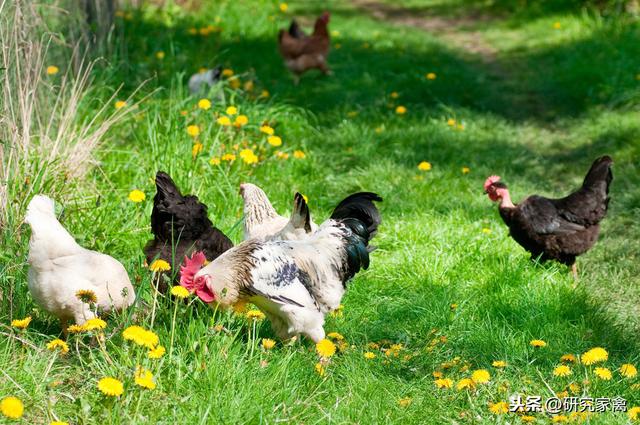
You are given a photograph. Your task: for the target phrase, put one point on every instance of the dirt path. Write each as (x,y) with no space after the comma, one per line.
(458,32)
(451,30)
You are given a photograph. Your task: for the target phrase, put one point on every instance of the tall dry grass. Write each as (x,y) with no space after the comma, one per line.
(46,140)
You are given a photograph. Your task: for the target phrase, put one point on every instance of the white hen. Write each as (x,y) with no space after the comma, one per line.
(59,268)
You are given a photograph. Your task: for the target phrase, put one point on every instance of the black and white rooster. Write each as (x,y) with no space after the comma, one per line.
(294,282)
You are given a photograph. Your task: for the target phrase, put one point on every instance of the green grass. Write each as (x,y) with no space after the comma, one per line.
(563,97)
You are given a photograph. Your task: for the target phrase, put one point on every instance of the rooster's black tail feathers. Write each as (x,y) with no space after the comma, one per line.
(359,213)
(360,206)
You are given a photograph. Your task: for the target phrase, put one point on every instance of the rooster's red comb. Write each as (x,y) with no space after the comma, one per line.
(490,180)
(190,267)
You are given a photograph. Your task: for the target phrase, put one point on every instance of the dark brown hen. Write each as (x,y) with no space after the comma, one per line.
(557,229)
(180,226)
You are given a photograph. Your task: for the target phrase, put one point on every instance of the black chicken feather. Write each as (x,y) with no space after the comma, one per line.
(180,226)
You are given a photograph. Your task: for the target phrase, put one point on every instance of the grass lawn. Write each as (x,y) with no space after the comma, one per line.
(533,98)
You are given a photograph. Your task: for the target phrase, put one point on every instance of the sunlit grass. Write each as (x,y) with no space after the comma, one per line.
(448,292)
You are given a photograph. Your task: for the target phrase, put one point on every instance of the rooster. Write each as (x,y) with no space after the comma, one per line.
(295,283)
(59,268)
(180,225)
(303,52)
(262,221)
(557,229)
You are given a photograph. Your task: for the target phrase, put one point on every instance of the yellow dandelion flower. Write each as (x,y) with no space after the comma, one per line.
(87,296)
(231,110)
(443,383)
(193,130)
(352,114)
(248,156)
(405,402)
(144,378)
(160,266)
(228,157)
(11,407)
(465,384)
(283,7)
(265,94)
(424,166)
(538,343)
(224,121)
(499,408)
(156,353)
(574,388)
(58,423)
(335,335)
(248,86)
(557,25)
(21,323)
(369,355)
(326,348)
(94,324)
(595,355)
(437,374)
(431,76)
(481,376)
(160,55)
(204,104)
(179,292)
(267,130)
(196,149)
(58,344)
(274,141)
(214,161)
(634,413)
(120,104)
(394,95)
(141,336)
(527,418)
(562,370)
(568,358)
(499,364)
(451,122)
(401,110)
(320,370)
(268,344)
(110,387)
(603,373)
(558,419)
(628,370)
(466,170)
(255,315)
(136,196)
(76,329)
(52,70)
(299,154)
(241,120)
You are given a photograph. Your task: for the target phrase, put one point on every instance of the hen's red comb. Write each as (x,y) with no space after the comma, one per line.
(490,180)
(190,267)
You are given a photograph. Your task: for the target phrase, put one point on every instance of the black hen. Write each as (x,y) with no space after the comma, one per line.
(180,226)
(557,229)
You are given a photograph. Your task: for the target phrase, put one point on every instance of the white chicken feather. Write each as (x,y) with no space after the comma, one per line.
(59,268)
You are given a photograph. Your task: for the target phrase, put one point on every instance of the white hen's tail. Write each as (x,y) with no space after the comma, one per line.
(48,237)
